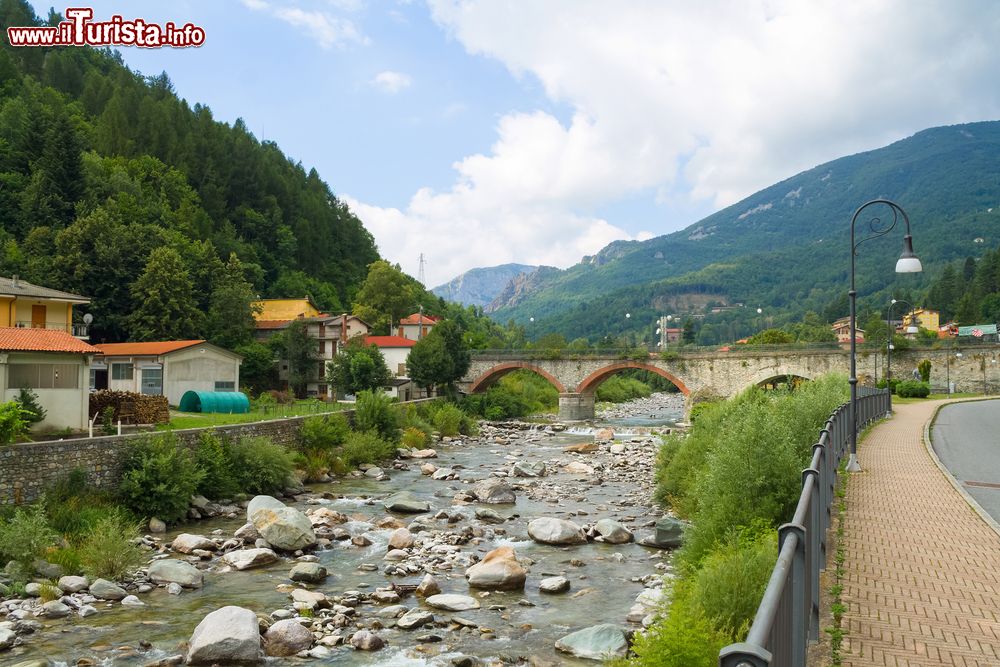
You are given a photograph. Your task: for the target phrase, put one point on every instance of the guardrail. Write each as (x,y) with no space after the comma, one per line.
(787,619)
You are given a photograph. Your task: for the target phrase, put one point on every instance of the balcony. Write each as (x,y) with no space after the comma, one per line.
(77,330)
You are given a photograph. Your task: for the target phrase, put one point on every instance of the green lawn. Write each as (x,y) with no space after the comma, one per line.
(896,399)
(182,420)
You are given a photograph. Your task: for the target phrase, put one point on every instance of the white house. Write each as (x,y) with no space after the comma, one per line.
(416,326)
(167,368)
(53,364)
(395,350)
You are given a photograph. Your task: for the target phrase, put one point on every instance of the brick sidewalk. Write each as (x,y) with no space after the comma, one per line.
(922,570)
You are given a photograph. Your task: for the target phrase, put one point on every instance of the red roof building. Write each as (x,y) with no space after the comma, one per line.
(389,341)
(42,340)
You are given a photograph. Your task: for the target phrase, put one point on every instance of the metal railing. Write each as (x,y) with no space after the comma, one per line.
(78,330)
(787,619)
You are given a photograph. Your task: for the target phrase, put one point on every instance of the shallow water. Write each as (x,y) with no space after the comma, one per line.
(602,589)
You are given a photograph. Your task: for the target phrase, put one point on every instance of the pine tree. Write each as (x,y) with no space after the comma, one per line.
(230,321)
(164,300)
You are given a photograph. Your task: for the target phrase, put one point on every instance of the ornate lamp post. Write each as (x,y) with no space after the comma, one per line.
(910,329)
(907,263)
(880,337)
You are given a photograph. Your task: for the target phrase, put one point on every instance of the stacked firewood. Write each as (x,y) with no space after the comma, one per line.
(130,407)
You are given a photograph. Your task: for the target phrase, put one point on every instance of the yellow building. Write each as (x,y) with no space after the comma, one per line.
(27,306)
(285,309)
(924,318)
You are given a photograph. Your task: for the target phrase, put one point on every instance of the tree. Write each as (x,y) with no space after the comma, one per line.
(299,351)
(771,337)
(165,307)
(231,311)
(358,367)
(429,363)
(689,333)
(32,409)
(386,296)
(967,310)
(258,371)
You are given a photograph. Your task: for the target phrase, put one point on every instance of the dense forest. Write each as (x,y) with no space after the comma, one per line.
(100,167)
(968,291)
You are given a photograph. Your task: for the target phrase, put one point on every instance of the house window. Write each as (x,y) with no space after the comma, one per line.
(44,376)
(322,347)
(122,372)
(225,386)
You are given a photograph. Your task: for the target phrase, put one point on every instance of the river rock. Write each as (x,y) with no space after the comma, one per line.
(186,543)
(309,599)
(324,516)
(375,473)
(414,618)
(244,559)
(442,473)
(499,570)
(669,534)
(134,602)
(7,639)
(227,635)
(582,448)
(452,602)
(45,568)
(553,585)
(577,468)
(407,504)
(170,570)
(528,469)
(174,589)
(428,587)
(401,538)
(72,584)
(364,640)
(55,609)
(423,453)
(310,573)
(549,530)
(618,448)
(598,642)
(494,491)
(86,610)
(156,526)
(613,532)
(427,469)
(284,528)
(262,502)
(286,638)
(247,532)
(486,515)
(604,435)
(107,590)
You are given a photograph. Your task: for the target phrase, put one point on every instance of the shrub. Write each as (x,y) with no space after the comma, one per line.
(892,384)
(448,420)
(214,459)
(366,447)
(314,463)
(159,478)
(411,417)
(924,368)
(66,557)
(33,410)
(26,535)
(374,411)
(324,432)
(48,592)
(683,637)
(618,389)
(261,466)
(13,422)
(108,420)
(414,438)
(913,389)
(74,507)
(108,551)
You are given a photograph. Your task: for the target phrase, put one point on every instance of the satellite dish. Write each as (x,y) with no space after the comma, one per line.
(88,318)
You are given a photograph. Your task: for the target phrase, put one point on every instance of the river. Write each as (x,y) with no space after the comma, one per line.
(614,482)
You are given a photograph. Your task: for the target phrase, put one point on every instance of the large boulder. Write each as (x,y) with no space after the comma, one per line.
(549,530)
(598,642)
(262,502)
(528,469)
(405,503)
(612,532)
(107,590)
(499,570)
(414,618)
(7,638)
(284,528)
(229,635)
(494,491)
(669,534)
(310,573)
(451,602)
(171,571)
(245,559)
(286,638)
(72,584)
(365,640)
(187,543)
(400,538)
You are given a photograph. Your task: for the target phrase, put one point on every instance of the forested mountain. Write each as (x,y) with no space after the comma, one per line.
(479,287)
(100,166)
(785,249)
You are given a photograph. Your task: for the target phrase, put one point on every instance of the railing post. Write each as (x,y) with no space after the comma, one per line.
(815,553)
(744,655)
(798,582)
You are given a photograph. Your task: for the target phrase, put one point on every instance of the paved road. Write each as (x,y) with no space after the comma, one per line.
(966,437)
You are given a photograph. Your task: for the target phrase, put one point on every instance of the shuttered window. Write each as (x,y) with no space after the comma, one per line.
(44,376)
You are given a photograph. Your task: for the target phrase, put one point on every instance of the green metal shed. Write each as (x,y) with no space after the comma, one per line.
(227,402)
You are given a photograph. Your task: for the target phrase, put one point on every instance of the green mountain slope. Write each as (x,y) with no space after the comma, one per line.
(786,248)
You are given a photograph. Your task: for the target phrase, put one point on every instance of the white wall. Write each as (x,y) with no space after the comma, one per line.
(65,408)
(197,369)
(394,356)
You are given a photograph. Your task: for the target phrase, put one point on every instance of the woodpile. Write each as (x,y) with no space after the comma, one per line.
(130,407)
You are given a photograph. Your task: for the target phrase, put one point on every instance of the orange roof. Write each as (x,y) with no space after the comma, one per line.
(415,319)
(389,341)
(145,349)
(42,340)
(271,324)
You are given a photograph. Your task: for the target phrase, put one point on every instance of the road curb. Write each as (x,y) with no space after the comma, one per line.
(929,446)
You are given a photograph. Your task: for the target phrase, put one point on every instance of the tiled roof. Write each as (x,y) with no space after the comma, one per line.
(389,341)
(145,349)
(271,324)
(415,318)
(42,340)
(22,289)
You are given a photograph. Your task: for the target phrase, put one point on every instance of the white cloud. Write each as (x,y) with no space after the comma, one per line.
(391,82)
(713,99)
(325,28)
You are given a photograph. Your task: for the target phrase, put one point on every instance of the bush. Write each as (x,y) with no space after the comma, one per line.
(924,368)
(618,389)
(414,438)
(26,535)
(891,384)
(324,433)
(374,411)
(33,410)
(411,417)
(913,389)
(159,478)
(13,422)
(448,420)
(698,409)
(261,466)
(314,463)
(108,552)
(366,447)
(68,558)
(214,459)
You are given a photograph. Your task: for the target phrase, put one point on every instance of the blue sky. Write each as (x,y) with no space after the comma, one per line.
(480,132)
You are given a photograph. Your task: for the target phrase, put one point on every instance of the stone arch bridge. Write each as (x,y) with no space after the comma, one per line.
(719,373)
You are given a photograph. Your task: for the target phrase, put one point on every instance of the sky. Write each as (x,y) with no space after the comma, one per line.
(480,132)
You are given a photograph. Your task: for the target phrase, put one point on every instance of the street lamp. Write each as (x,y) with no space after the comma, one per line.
(880,337)
(907,263)
(947,377)
(892,331)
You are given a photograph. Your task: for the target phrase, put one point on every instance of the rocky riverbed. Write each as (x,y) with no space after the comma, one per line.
(525,544)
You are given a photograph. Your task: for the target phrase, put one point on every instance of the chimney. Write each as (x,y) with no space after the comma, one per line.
(13,279)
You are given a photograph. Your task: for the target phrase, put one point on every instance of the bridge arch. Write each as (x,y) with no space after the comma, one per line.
(590,383)
(489,377)
(784,376)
